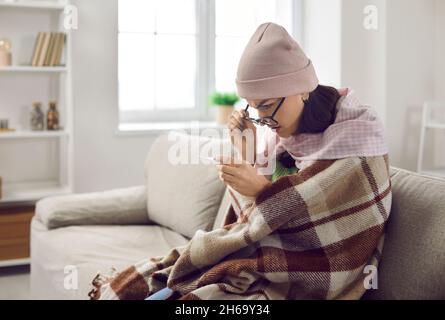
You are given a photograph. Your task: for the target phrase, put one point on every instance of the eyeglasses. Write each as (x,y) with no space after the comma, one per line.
(267,121)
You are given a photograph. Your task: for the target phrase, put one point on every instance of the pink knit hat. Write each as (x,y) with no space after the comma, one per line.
(274,66)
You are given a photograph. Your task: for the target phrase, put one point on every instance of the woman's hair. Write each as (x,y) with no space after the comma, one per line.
(318,114)
(319,110)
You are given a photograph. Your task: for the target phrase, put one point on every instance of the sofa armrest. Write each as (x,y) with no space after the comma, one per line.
(118,206)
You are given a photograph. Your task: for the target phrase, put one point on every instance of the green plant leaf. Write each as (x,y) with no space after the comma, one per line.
(224,99)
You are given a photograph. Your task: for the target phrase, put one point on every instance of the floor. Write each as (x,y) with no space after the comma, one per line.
(14,283)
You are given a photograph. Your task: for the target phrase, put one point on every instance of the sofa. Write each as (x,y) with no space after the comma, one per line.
(75,236)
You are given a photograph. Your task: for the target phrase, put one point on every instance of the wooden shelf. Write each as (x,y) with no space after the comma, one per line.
(33,134)
(15,262)
(30,69)
(45,5)
(31,191)
(435,125)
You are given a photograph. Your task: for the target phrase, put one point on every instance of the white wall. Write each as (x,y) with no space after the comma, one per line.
(364,53)
(322,38)
(410,74)
(439,143)
(102,159)
(440,50)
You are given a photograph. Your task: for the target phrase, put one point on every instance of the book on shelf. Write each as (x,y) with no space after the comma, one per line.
(48,49)
(59,49)
(45,45)
(53,59)
(37,49)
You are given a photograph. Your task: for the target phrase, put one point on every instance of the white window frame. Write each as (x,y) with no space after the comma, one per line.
(205,73)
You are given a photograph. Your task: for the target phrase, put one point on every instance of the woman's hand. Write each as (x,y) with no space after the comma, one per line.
(243,177)
(238,127)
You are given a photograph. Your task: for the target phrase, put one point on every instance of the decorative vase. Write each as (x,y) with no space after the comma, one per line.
(37,117)
(224,113)
(5,53)
(52,118)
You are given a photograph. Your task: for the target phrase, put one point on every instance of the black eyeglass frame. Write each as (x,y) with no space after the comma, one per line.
(263,121)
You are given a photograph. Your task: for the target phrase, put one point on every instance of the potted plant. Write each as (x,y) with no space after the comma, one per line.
(225,103)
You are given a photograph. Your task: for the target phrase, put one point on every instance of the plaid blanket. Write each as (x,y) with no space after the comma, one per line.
(310,235)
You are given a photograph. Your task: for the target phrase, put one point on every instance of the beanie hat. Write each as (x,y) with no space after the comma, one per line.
(273,66)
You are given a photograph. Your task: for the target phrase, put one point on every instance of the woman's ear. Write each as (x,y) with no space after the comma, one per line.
(305,96)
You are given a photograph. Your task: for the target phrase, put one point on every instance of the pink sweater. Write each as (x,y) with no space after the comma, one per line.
(357,131)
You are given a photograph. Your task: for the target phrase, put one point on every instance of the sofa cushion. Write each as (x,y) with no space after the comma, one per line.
(56,253)
(117,206)
(413,257)
(184,194)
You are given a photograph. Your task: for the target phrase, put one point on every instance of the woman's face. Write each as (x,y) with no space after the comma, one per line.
(288,116)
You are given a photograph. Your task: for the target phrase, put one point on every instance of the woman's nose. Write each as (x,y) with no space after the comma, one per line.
(263,113)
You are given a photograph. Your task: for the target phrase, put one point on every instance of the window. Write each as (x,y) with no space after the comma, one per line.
(174,53)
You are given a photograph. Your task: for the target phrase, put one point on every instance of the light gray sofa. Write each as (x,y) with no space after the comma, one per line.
(75,236)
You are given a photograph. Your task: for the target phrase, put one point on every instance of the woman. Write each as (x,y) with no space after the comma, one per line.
(308,226)
(289,118)
(279,81)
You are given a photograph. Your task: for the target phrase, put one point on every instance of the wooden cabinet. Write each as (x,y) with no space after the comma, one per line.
(15,233)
